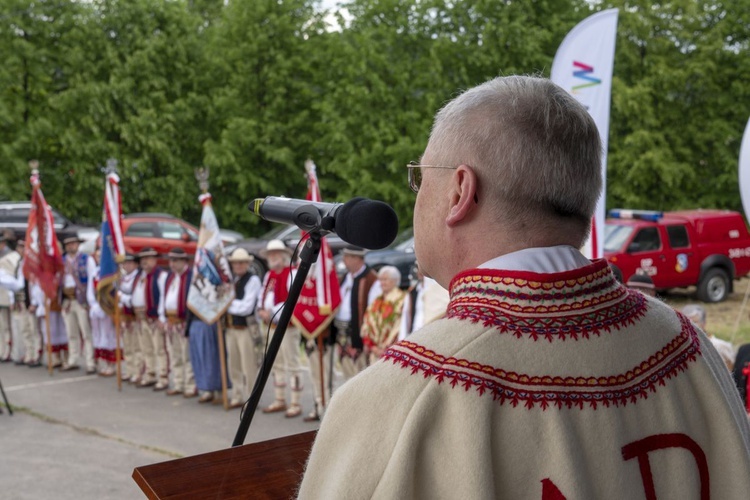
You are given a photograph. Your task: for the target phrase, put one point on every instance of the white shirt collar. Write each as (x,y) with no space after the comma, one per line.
(555,259)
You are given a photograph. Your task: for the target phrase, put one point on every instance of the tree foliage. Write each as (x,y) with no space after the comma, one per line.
(252,89)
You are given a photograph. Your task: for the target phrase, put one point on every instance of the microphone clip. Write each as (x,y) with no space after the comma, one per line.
(308,218)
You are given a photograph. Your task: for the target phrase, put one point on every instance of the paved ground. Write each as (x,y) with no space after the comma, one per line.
(74,436)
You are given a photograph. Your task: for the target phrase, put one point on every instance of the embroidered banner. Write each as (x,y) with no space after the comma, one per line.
(42,256)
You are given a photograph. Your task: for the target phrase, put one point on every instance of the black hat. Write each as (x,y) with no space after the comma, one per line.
(129,257)
(354,250)
(72,239)
(177,253)
(148,252)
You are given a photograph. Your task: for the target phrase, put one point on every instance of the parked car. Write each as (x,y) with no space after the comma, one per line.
(399,254)
(161,232)
(15,215)
(289,234)
(707,249)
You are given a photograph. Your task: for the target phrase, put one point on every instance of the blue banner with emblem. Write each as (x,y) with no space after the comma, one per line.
(109,271)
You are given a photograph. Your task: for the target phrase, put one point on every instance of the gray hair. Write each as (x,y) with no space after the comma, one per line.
(695,312)
(535,149)
(390,272)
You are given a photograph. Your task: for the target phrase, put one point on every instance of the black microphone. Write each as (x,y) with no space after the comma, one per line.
(361,222)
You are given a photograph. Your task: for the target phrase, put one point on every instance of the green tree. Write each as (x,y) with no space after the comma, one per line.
(679,106)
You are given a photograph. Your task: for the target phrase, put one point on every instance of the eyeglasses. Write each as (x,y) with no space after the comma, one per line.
(415,173)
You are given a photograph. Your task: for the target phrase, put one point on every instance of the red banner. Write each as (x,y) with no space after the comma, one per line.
(320,297)
(42,261)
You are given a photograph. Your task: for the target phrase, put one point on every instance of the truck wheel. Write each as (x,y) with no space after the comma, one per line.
(714,286)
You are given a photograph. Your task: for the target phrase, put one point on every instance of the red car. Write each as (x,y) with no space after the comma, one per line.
(162,232)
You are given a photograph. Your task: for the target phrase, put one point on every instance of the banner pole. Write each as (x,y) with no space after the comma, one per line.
(322,372)
(223,363)
(118,333)
(47,303)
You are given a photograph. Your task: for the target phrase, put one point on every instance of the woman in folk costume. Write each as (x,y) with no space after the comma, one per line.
(102,326)
(382,320)
(204,356)
(547,378)
(58,336)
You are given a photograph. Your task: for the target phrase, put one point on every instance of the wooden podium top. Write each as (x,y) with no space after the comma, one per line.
(270,469)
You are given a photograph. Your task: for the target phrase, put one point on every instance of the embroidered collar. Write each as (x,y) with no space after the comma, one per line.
(573,304)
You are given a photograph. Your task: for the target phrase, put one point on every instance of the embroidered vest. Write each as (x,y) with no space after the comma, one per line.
(239,294)
(153,295)
(187,278)
(281,287)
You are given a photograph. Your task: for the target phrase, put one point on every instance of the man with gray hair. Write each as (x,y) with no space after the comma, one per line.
(547,378)
(697,314)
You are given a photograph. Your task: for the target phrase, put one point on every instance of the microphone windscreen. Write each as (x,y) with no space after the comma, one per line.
(367,223)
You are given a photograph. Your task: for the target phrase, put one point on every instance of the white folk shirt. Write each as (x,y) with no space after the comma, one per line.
(126,288)
(246,305)
(139,293)
(170,298)
(10,282)
(418,306)
(345,309)
(538,385)
(95,310)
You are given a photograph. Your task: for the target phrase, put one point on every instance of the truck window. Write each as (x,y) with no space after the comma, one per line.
(615,236)
(647,239)
(678,236)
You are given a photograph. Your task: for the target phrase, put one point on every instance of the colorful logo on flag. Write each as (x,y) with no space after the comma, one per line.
(584,73)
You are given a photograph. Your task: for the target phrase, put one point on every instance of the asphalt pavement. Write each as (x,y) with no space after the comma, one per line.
(75,436)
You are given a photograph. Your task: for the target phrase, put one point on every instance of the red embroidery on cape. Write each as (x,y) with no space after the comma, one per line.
(550,491)
(574,304)
(640,450)
(552,390)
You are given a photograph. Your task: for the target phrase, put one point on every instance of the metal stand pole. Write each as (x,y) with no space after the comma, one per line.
(5,399)
(308,256)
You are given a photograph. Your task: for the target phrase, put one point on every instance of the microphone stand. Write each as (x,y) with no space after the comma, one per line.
(308,256)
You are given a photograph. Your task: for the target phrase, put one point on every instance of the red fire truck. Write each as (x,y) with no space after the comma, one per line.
(708,249)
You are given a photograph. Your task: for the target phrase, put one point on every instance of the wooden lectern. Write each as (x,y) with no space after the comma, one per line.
(270,469)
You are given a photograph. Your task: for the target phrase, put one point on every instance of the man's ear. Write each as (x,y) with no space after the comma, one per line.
(463,195)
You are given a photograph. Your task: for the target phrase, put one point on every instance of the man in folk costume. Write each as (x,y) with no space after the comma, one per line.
(173,307)
(75,306)
(24,320)
(314,322)
(242,328)
(548,378)
(382,320)
(276,286)
(9,259)
(102,326)
(130,332)
(358,290)
(149,288)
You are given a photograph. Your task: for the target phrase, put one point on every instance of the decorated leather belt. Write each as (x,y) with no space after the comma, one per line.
(174,319)
(69,293)
(140,313)
(237,321)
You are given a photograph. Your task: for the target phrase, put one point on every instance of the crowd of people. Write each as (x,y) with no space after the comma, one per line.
(166,347)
